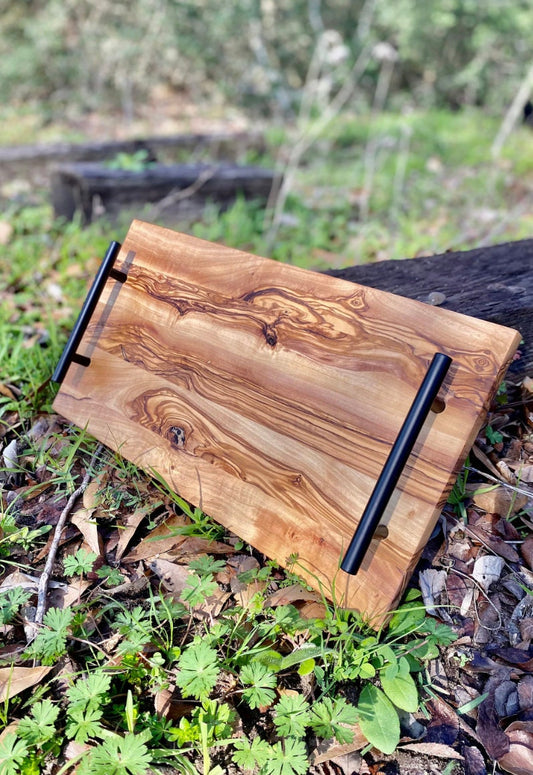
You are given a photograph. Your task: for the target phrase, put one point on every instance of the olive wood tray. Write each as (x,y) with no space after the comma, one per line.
(271,397)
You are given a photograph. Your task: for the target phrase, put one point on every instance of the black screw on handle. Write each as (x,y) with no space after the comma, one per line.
(69,354)
(395,463)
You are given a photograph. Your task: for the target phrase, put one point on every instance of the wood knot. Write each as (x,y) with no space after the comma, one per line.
(271,336)
(176,436)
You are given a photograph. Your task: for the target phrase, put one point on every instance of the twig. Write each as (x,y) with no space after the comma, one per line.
(513,113)
(177,195)
(45,576)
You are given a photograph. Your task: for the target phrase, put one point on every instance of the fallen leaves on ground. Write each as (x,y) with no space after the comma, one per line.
(475,574)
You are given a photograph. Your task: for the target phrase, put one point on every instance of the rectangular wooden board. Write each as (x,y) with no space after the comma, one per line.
(270,396)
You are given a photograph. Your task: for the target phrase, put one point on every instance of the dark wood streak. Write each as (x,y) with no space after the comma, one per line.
(327,332)
(350,336)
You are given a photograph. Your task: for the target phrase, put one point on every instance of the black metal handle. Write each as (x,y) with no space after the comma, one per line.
(395,463)
(69,354)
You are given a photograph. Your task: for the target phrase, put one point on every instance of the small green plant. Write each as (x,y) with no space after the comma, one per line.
(11,602)
(79,564)
(198,670)
(51,640)
(128,755)
(459,493)
(283,758)
(493,437)
(138,161)
(111,577)
(261,683)
(87,697)
(14,537)
(13,754)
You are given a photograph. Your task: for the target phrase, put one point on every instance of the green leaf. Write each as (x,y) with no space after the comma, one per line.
(366,670)
(90,691)
(302,654)
(328,717)
(289,758)
(307,666)
(291,716)
(126,755)
(198,588)
(289,619)
(80,563)
(13,753)
(39,727)
(378,719)
(249,754)
(10,603)
(51,640)
(397,683)
(206,564)
(217,717)
(83,723)
(270,658)
(262,682)
(407,619)
(198,670)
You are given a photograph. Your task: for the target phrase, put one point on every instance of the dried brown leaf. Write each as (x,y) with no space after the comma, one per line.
(487,569)
(67,595)
(526,550)
(432,584)
(519,759)
(293,594)
(525,692)
(212,606)
(312,610)
(525,474)
(130,523)
(483,458)
(433,749)
(91,496)
(194,546)
(330,749)
(173,576)
(494,543)
(83,519)
(168,705)
(21,580)
(14,680)
(244,593)
(162,539)
(474,763)
(6,391)
(494,740)
(500,501)
(526,629)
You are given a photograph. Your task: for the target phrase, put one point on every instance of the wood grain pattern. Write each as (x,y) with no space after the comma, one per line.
(270,396)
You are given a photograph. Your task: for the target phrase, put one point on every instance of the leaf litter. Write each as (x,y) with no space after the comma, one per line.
(476,575)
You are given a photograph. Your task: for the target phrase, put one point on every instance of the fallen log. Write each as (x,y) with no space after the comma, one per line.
(89,187)
(35,161)
(491,283)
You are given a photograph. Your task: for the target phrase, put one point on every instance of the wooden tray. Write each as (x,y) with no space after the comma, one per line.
(270,396)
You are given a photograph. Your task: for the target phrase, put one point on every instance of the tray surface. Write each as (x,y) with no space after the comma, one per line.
(270,397)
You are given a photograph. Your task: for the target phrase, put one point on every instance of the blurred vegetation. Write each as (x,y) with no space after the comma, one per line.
(90,54)
(380,117)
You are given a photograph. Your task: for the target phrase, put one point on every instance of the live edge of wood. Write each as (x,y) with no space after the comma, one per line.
(270,397)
